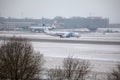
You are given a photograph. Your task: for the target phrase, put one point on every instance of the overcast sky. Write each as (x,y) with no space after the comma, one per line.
(65,8)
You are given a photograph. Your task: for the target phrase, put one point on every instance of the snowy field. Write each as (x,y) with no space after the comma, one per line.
(103,57)
(85,51)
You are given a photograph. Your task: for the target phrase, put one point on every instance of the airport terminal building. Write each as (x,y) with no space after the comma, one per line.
(92,23)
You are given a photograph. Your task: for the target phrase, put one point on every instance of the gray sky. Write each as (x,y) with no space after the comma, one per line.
(65,8)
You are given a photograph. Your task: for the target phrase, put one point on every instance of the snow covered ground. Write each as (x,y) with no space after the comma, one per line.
(85,51)
(103,57)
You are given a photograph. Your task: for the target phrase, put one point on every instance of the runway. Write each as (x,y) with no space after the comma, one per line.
(65,40)
(86,38)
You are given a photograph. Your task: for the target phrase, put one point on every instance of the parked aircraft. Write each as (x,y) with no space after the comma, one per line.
(41,28)
(62,34)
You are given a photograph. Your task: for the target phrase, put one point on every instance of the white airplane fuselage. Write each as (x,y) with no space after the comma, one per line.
(63,34)
(39,29)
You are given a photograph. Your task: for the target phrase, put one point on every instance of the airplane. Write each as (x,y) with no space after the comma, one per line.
(62,34)
(41,28)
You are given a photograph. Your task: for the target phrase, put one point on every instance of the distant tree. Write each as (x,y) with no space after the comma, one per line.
(76,69)
(18,61)
(55,74)
(115,74)
(72,69)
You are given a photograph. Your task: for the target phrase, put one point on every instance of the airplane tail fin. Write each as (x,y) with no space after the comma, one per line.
(54,25)
(43,25)
(46,30)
